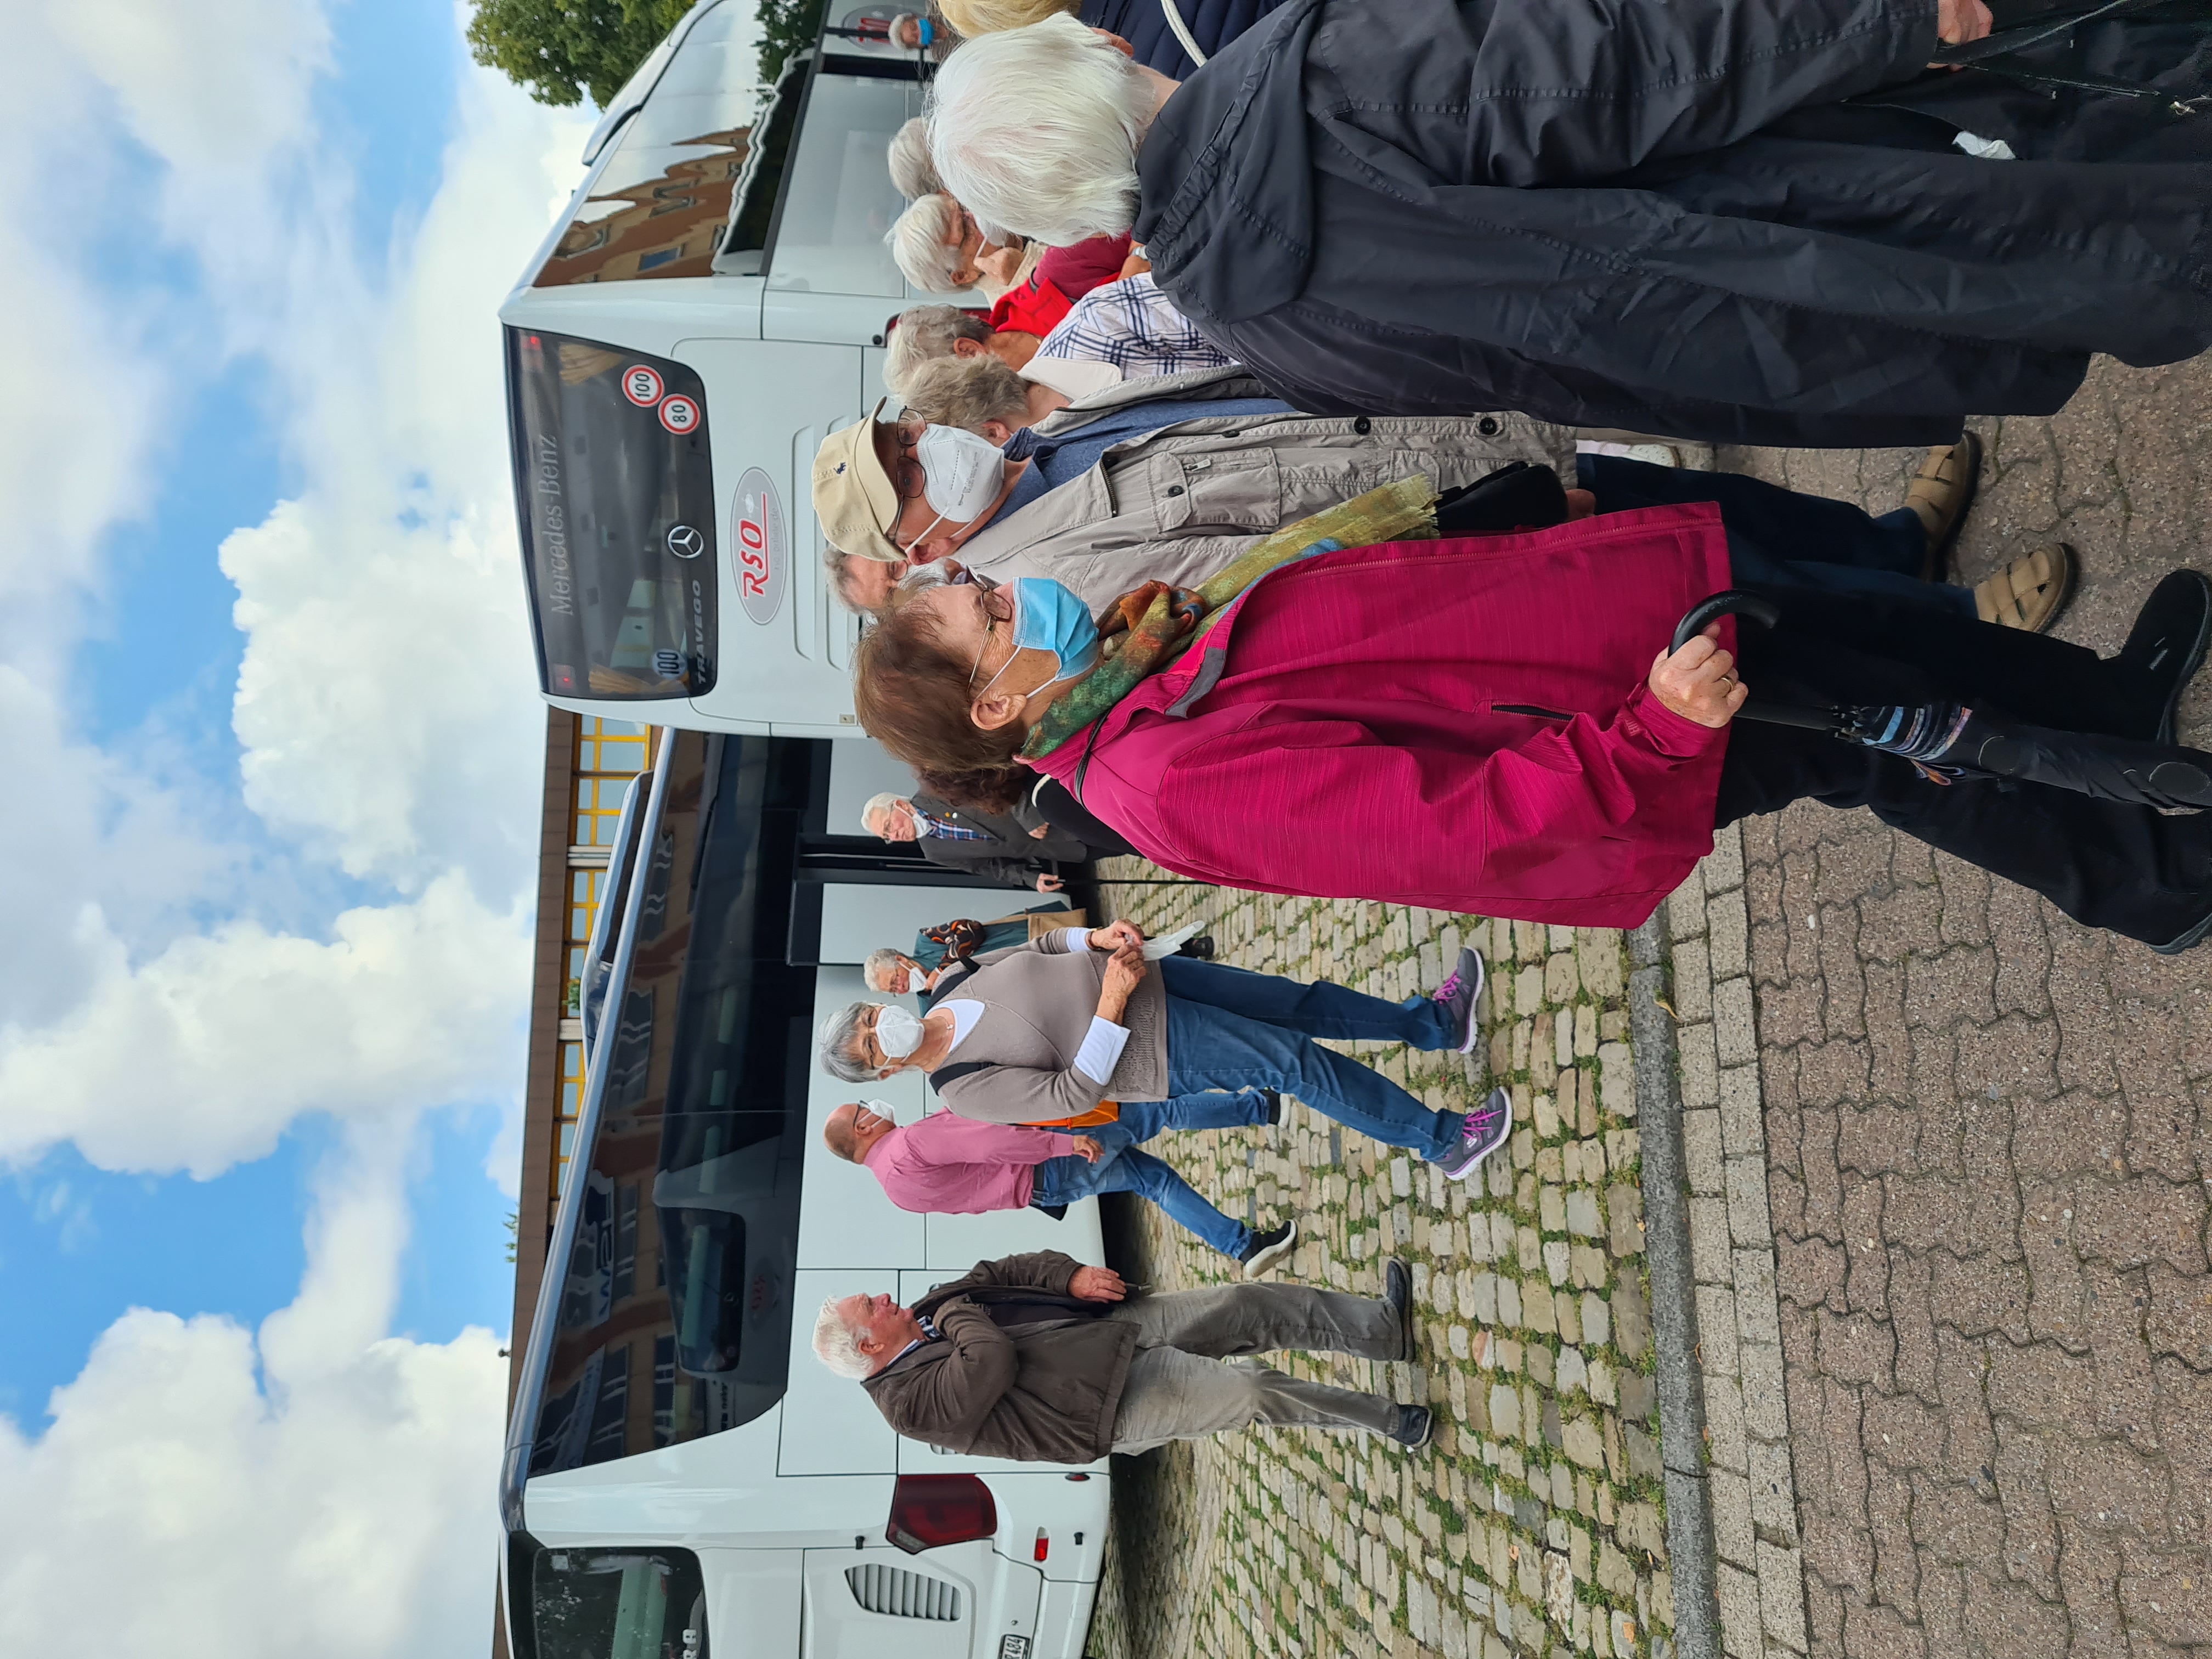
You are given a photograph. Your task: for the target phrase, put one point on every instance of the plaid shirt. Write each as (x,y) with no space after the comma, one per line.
(928,823)
(1131,325)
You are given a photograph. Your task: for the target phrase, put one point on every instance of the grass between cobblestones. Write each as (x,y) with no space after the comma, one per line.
(1534,1524)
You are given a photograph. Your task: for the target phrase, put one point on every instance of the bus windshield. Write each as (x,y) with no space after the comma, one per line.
(615,489)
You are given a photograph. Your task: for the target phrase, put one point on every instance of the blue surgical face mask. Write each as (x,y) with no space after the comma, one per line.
(1048,617)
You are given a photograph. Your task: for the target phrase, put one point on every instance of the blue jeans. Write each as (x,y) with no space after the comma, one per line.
(1780,538)
(1123,1168)
(1319,1009)
(1213,1047)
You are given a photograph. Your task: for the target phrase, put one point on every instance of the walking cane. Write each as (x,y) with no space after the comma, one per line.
(1949,741)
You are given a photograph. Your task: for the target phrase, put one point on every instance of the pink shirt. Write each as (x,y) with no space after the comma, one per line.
(951,1165)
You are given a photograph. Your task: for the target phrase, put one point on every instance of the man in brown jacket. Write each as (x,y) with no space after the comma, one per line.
(1042,1033)
(1039,1359)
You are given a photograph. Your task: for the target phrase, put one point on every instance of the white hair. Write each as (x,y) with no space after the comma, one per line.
(835,1346)
(1036,129)
(912,174)
(877,969)
(926,241)
(882,802)
(924,332)
(840,1044)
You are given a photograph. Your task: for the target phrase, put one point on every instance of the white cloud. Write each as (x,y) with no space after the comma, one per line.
(105,839)
(387,703)
(326,1489)
(201,1057)
(207,88)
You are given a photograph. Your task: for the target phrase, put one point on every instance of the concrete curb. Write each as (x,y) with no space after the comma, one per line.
(1674,1300)
(1740,1573)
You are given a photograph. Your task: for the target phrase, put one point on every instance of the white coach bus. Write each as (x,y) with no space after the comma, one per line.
(681,1476)
(712,305)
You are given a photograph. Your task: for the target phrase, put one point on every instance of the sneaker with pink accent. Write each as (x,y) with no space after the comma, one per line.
(1457,994)
(1483,1133)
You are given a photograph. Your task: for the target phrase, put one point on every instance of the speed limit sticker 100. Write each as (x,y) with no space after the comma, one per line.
(641,383)
(680,414)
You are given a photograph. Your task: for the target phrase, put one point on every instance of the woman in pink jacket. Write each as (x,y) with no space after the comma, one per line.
(1493,725)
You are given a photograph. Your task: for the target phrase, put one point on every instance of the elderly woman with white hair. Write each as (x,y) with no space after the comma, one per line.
(1742,220)
(913,175)
(939,249)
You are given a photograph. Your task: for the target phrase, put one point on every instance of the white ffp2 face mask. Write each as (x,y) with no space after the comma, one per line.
(898,1033)
(962,473)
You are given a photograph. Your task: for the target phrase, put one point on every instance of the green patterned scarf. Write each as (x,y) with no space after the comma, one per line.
(1148,629)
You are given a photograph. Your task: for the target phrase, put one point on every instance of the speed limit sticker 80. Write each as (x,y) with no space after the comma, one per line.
(680,414)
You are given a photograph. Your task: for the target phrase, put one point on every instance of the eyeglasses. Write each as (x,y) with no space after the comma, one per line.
(907,476)
(998,607)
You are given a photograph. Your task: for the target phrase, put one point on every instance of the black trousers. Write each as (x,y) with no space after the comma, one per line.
(2130,869)
(1070,816)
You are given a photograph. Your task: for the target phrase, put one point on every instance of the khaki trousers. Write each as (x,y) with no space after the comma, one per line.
(1191,1374)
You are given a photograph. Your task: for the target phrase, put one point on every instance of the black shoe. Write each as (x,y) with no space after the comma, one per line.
(1199,948)
(2167,645)
(1415,1425)
(1274,1098)
(2189,941)
(1269,1248)
(1398,1291)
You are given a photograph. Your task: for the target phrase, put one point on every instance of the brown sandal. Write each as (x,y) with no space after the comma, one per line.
(1940,496)
(2031,591)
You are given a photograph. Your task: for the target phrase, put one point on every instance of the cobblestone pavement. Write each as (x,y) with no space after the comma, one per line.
(1988,1150)
(1534,1524)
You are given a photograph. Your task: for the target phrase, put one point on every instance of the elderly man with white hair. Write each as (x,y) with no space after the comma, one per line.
(1739,221)
(1015,848)
(1041,1360)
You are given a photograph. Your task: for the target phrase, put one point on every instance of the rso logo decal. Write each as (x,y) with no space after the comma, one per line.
(762,546)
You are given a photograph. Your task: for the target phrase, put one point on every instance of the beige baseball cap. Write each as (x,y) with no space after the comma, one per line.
(854,497)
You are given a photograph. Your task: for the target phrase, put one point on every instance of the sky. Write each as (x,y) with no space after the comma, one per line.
(269,720)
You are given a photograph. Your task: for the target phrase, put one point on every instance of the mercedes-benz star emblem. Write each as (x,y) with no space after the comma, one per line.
(685,542)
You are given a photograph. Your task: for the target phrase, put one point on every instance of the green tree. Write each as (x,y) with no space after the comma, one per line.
(559,50)
(788,26)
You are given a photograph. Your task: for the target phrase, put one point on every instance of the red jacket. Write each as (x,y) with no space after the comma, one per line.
(1062,276)
(1035,307)
(1460,723)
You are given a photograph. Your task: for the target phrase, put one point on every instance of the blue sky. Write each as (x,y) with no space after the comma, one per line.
(266,699)
(79,1245)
